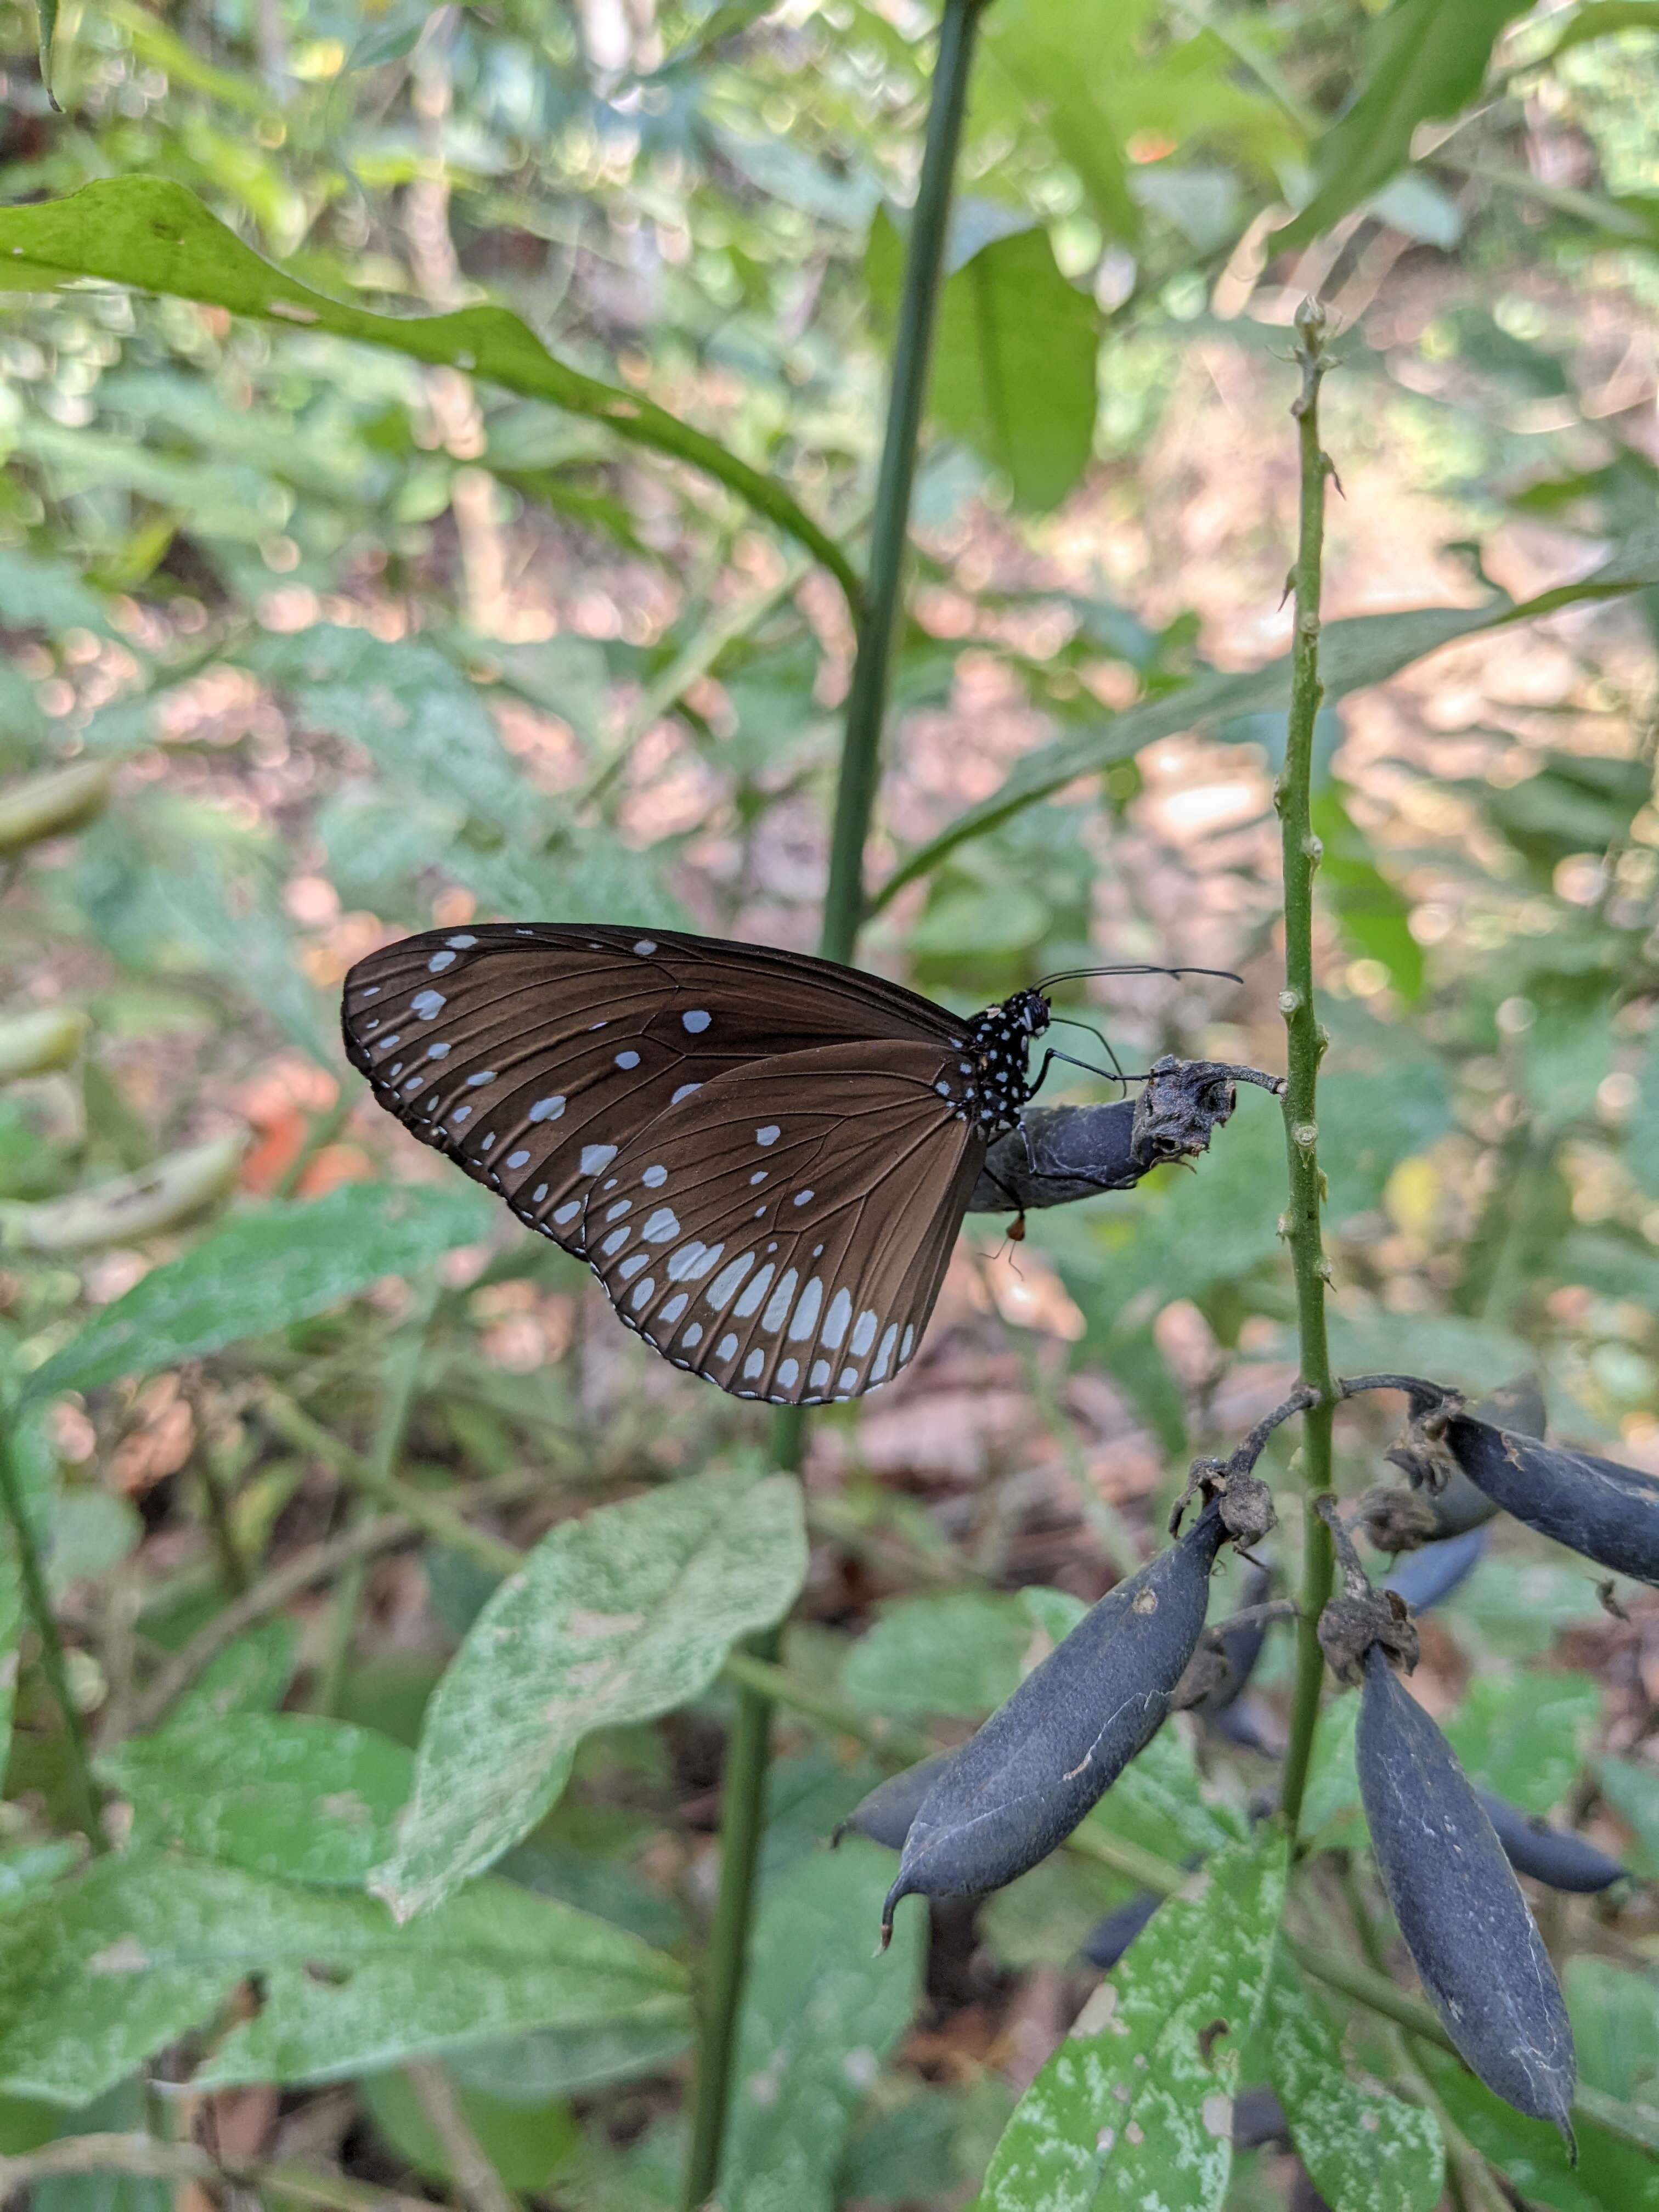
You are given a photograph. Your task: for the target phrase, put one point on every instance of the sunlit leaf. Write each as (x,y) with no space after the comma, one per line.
(1364,2149)
(152,233)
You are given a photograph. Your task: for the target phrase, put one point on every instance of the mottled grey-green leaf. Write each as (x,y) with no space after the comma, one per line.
(1135,2107)
(613,1619)
(1364,2150)
(295,1795)
(271,1268)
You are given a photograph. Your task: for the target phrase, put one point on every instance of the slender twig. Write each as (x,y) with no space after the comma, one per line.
(743,1793)
(481,2186)
(295,1426)
(38,1602)
(402,1372)
(151,2159)
(1306,1040)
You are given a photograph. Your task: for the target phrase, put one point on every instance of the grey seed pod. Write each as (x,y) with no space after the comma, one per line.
(1555,1857)
(1109,1938)
(1399,1519)
(886,1813)
(1426,1576)
(1021,1785)
(1604,1511)
(1482,1960)
(1235,1646)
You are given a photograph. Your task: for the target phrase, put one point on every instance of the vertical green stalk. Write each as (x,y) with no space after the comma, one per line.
(38,1604)
(1305,1047)
(748,1748)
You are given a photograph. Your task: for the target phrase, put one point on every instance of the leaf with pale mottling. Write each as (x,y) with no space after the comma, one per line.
(295,1795)
(820,2011)
(610,1620)
(1135,2107)
(1364,2150)
(271,1269)
(99,1973)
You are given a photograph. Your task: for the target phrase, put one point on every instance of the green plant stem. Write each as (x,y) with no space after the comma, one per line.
(1305,1046)
(924,262)
(38,1602)
(401,1380)
(743,1798)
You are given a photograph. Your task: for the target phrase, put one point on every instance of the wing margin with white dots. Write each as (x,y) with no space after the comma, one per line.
(784,1232)
(533,1053)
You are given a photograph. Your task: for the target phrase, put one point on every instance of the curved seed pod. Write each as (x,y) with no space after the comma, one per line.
(1021,1785)
(1604,1511)
(1555,1857)
(1424,1577)
(1482,1960)
(1399,1520)
(886,1813)
(1109,1939)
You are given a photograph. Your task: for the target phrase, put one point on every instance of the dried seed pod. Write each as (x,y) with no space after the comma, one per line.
(1481,1958)
(1555,1857)
(1426,1576)
(1021,1785)
(1604,1511)
(1401,1520)
(1227,1660)
(886,1813)
(1109,1939)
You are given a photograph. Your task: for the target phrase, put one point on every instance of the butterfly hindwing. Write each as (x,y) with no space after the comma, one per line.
(784,1231)
(535,1054)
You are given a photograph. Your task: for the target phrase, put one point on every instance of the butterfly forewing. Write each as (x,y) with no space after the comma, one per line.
(535,1054)
(785,1231)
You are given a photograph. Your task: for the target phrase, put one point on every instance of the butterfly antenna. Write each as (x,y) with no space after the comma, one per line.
(1135,967)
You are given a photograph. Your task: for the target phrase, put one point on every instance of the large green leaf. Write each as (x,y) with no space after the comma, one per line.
(272,1267)
(1609,2176)
(98,1974)
(820,2011)
(610,1620)
(152,233)
(1014,354)
(1425,60)
(956,1652)
(1136,2107)
(1525,1735)
(1365,649)
(290,1794)
(1364,2150)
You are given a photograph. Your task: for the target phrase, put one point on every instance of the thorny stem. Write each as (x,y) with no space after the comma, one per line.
(743,1791)
(1305,1045)
(38,1604)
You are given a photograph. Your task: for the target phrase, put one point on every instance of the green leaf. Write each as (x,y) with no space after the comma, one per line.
(1366,649)
(1525,1735)
(290,1795)
(1014,355)
(1615,2025)
(613,1619)
(1158,1801)
(153,234)
(820,2013)
(140,1949)
(526,2144)
(248,1676)
(558,2063)
(38,592)
(1364,2149)
(1136,2107)
(958,1653)
(1610,2176)
(1601,20)
(269,1269)
(11,1628)
(1374,917)
(1425,61)
(1632,1788)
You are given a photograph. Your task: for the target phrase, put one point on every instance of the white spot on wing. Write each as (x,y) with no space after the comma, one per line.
(847,1381)
(675,1307)
(485,1075)
(546,1109)
(803,1320)
(749,1302)
(684,1092)
(615,1241)
(654,1177)
(694,1335)
(661,1225)
(864,1331)
(778,1304)
(428,1004)
(519,1159)
(768,1135)
(904,1348)
(803,1198)
(836,1321)
(567,1211)
(789,1373)
(819,1377)
(645,946)
(878,1372)
(697,1023)
(726,1348)
(628,1059)
(438,962)
(596,1159)
(462,942)
(642,1293)
(631,1268)
(616,1212)
(437,1052)
(725,1284)
(753,1365)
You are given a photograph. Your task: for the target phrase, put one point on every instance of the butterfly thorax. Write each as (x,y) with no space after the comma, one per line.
(999,1040)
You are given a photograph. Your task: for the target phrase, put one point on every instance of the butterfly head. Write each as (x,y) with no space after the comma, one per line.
(999,1039)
